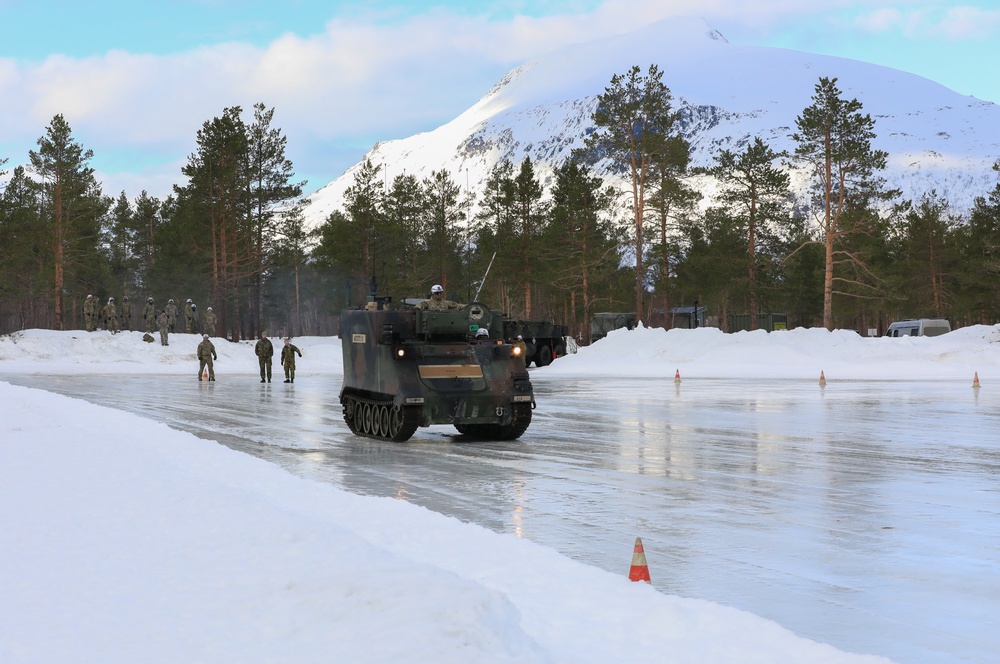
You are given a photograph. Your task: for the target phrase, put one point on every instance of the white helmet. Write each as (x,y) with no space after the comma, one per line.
(482,332)
(436,288)
(189,299)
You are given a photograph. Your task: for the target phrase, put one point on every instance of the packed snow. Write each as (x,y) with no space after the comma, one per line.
(126,541)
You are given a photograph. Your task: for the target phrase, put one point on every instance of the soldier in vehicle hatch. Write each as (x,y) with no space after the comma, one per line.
(264,352)
(288,359)
(206,355)
(437,301)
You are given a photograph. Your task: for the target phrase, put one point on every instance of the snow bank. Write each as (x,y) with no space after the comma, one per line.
(796,354)
(132,542)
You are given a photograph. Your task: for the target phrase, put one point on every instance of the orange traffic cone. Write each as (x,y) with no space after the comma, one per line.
(822,379)
(205,376)
(975,380)
(677,376)
(639,570)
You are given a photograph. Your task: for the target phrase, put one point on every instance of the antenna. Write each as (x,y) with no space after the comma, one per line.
(483,282)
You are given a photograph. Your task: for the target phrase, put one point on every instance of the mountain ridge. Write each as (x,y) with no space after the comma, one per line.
(727,94)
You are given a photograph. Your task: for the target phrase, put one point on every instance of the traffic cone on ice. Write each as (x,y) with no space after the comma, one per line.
(822,379)
(677,376)
(975,381)
(205,375)
(639,570)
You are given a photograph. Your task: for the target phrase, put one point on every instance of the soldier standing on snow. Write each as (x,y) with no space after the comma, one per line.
(288,359)
(264,352)
(90,309)
(149,315)
(111,316)
(206,353)
(210,321)
(164,324)
(171,314)
(189,316)
(191,321)
(126,314)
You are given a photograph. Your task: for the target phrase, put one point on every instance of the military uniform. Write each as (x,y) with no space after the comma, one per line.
(149,315)
(171,315)
(288,360)
(191,321)
(189,316)
(264,352)
(90,313)
(126,314)
(210,321)
(206,354)
(111,316)
(164,324)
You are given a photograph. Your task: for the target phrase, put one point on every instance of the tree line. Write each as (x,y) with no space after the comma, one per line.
(562,247)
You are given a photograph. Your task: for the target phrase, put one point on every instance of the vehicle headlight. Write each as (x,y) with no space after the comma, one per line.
(516,351)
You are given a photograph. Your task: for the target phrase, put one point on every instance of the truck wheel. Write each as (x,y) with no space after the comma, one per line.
(544,357)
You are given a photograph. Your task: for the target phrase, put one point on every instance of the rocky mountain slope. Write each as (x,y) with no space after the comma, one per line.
(936,138)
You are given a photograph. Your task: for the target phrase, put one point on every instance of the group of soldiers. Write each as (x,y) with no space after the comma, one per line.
(94,315)
(264,351)
(112,319)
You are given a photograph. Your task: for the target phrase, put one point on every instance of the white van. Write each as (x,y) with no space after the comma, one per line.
(919,327)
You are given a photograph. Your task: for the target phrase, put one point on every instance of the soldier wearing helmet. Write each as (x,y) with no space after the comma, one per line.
(126,314)
(210,321)
(149,315)
(111,316)
(90,313)
(437,301)
(171,315)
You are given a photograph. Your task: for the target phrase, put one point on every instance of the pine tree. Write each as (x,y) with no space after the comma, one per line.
(73,205)
(527,197)
(580,244)
(671,200)
(755,192)
(446,210)
(495,236)
(634,125)
(835,143)
(216,199)
(271,188)
(25,278)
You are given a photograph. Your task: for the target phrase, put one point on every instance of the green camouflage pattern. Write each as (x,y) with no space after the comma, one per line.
(111,317)
(210,322)
(206,355)
(288,352)
(416,367)
(91,311)
(149,316)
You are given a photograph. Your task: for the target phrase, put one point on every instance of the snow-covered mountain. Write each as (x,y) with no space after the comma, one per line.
(936,138)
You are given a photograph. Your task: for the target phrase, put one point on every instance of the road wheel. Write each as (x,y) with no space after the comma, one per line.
(544,357)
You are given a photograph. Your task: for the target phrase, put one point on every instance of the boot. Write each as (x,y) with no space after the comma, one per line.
(287,381)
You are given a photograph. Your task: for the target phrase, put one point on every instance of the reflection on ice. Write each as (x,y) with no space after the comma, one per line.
(849,514)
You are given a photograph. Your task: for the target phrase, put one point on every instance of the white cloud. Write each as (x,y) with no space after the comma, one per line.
(366,77)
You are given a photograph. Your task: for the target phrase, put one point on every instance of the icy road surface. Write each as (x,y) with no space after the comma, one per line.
(863,514)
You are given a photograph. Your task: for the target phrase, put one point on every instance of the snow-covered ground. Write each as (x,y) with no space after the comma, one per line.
(127,541)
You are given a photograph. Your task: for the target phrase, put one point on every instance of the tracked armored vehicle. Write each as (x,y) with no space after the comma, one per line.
(413,367)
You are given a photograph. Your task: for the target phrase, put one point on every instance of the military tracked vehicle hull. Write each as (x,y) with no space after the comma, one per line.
(411,368)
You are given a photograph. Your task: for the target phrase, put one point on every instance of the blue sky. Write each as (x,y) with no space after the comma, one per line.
(137,79)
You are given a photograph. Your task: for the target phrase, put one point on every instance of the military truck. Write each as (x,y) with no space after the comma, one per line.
(412,367)
(545,341)
(608,321)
